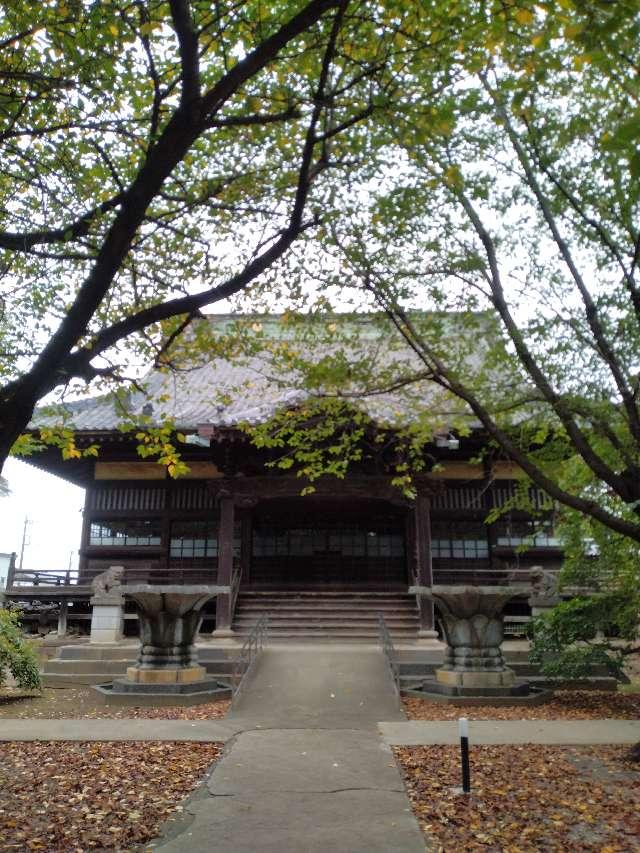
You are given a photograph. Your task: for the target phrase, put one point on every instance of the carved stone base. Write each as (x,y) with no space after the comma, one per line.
(183,675)
(124,692)
(504,678)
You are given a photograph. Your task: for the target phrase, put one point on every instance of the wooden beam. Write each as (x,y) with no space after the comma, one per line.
(241,488)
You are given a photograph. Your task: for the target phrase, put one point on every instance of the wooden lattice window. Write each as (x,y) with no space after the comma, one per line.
(531,533)
(117,533)
(197,538)
(454,540)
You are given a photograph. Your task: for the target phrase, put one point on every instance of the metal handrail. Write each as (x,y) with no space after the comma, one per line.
(389,652)
(236,579)
(248,655)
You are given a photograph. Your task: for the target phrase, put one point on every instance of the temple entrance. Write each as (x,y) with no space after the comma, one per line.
(308,543)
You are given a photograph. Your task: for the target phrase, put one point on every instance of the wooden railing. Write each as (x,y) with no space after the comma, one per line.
(474,576)
(143,573)
(26,578)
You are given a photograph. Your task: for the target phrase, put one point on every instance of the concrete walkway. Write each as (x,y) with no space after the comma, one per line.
(308,765)
(309,773)
(200,731)
(405,733)
(559,732)
(318,688)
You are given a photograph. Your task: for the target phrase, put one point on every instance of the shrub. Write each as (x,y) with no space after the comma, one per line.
(16,654)
(586,631)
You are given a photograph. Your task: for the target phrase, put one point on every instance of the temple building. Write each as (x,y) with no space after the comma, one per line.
(322,564)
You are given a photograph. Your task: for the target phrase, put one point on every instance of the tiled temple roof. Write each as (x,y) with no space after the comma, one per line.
(223,393)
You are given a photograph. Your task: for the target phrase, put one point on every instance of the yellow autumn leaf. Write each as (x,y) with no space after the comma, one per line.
(524,16)
(572,30)
(113,29)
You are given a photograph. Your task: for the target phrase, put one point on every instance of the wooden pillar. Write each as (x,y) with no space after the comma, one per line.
(246,531)
(424,567)
(225,563)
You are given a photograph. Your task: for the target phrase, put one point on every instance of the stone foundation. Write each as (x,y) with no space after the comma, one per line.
(186,675)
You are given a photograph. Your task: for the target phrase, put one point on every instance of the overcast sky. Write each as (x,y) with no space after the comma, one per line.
(54,508)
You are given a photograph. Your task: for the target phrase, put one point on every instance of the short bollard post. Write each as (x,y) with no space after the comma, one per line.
(463,730)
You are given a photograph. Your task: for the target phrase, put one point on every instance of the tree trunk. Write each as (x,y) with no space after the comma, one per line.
(15,415)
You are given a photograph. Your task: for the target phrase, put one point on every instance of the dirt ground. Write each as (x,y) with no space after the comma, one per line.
(77,797)
(76,702)
(565,705)
(525,799)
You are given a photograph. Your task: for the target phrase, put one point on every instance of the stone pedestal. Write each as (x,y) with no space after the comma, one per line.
(471,619)
(429,639)
(167,669)
(107,617)
(169,620)
(472,623)
(225,637)
(541,605)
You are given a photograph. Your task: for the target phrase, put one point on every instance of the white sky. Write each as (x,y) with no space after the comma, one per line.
(54,508)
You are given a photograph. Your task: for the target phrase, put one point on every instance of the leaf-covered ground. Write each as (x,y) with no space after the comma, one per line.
(565,705)
(81,703)
(76,797)
(525,799)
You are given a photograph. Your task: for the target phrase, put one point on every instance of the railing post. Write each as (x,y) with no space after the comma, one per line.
(225,564)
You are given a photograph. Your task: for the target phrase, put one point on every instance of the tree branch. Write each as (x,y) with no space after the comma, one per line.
(80,228)
(600,230)
(591,311)
(256,119)
(449,382)
(176,139)
(188,47)
(555,400)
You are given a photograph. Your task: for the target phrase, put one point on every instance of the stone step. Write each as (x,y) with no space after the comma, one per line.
(596,683)
(326,602)
(71,678)
(350,602)
(74,680)
(370,627)
(297,616)
(78,667)
(327,615)
(323,631)
(116,667)
(326,593)
(90,651)
(305,604)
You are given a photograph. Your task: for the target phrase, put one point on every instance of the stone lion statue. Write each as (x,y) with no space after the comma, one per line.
(109,582)
(544,583)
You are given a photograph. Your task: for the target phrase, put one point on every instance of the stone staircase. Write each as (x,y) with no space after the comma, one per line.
(77,665)
(322,615)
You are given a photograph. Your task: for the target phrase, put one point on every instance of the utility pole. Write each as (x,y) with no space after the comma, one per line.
(27,522)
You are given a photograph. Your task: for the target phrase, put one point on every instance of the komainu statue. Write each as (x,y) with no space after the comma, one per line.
(108,583)
(544,583)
